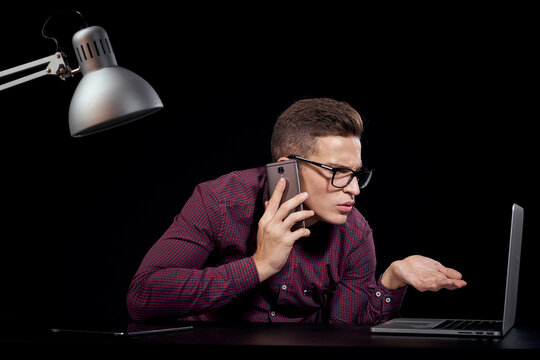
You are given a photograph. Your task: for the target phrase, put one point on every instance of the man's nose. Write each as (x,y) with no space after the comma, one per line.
(353,187)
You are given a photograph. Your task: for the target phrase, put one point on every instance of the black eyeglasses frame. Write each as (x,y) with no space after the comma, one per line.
(358,174)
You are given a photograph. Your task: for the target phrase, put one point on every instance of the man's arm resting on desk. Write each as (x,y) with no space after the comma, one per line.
(174,280)
(180,292)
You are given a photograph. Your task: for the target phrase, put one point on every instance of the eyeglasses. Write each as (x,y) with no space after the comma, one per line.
(341,177)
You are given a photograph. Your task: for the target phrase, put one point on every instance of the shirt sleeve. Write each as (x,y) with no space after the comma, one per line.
(173,279)
(359,297)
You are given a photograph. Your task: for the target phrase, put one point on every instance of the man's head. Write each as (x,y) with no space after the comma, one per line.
(298,127)
(328,132)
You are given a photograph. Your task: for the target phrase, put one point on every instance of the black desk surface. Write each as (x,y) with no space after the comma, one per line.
(221,339)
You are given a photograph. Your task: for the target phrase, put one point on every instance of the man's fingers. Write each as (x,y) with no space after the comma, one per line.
(288,206)
(453,284)
(446,283)
(297,217)
(273,204)
(299,233)
(450,273)
(453,279)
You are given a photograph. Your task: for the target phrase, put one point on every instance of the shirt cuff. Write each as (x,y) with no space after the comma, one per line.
(243,274)
(388,301)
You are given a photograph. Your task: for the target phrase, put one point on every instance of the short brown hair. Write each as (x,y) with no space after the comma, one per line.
(298,126)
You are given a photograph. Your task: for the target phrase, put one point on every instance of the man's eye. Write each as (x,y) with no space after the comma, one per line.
(343,174)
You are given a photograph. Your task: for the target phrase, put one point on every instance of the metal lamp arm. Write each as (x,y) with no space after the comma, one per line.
(55,66)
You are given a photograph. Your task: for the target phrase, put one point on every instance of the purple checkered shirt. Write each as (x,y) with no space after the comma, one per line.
(202,267)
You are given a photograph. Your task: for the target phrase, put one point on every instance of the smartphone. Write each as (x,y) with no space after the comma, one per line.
(288,170)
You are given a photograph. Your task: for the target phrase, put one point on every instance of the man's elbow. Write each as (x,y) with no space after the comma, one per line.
(137,304)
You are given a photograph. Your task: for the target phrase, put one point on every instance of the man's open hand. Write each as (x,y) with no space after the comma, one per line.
(422,273)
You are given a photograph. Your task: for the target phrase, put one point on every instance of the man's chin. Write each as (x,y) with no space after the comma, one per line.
(335,219)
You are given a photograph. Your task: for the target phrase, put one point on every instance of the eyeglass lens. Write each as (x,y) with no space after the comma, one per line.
(342,178)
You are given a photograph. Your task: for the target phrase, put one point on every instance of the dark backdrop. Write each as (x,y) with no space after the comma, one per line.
(446,94)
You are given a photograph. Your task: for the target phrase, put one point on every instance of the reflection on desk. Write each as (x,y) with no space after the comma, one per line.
(220,339)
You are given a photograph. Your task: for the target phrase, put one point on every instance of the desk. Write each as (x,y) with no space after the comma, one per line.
(290,339)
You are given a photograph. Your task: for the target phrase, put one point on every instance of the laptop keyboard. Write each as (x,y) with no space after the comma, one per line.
(470,325)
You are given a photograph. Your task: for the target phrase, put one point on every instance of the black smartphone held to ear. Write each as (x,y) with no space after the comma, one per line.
(289,170)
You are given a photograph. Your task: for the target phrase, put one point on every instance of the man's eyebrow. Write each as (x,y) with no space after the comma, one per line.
(341,166)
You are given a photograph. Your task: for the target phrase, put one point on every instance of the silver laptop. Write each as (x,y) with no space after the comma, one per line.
(464,327)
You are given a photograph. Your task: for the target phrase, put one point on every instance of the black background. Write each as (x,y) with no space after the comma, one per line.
(448,95)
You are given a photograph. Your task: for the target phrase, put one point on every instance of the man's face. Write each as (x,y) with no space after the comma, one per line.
(331,204)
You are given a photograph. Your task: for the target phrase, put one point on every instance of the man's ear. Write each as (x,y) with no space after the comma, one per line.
(283,158)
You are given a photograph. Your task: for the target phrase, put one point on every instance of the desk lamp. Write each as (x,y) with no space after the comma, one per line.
(107,95)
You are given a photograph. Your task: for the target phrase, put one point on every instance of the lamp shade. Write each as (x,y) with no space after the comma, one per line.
(107,95)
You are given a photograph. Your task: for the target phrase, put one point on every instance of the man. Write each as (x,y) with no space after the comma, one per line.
(231,253)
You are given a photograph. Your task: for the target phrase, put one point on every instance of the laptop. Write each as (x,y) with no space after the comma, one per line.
(464,327)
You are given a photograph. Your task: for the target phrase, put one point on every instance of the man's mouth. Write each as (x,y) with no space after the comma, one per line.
(346,206)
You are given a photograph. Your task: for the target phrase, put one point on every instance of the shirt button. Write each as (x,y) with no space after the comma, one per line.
(378,294)
(272,313)
(283,287)
(388,300)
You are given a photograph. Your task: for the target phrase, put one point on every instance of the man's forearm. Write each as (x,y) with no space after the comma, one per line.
(180,292)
